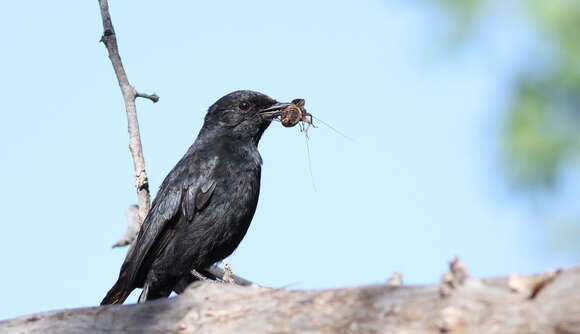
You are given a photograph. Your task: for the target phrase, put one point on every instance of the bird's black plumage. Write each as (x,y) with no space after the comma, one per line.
(205,205)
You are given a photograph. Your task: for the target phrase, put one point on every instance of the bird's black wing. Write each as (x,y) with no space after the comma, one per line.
(186,189)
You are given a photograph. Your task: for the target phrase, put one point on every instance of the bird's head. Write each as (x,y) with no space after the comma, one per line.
(242,114)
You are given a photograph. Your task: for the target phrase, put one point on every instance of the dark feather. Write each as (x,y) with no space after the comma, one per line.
(205,204)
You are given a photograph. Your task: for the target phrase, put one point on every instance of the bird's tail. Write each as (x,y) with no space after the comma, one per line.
(118,293)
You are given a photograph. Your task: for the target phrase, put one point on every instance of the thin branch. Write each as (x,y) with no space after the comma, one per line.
(153,97)
(129,95)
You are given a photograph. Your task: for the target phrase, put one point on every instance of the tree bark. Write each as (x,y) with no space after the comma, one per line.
(544,303)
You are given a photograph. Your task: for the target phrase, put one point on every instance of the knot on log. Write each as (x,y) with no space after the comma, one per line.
(530,286)
(107,33)
(455,277)
(228,274)
(396,279)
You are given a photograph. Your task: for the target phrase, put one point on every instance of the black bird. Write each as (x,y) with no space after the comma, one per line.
(205,205)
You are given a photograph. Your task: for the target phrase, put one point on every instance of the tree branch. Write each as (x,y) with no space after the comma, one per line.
(152,97)
(543,303)
(129,96)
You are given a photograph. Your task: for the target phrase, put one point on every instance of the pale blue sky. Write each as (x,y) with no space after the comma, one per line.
(418,185)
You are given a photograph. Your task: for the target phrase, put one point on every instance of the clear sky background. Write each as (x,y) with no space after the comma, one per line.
(419,183)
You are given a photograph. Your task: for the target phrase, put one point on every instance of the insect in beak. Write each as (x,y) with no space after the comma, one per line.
(273,111)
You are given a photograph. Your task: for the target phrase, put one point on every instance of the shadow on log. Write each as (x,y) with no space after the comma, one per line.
(544,303)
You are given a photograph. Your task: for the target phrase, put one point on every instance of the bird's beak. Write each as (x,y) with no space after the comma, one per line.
(274,108)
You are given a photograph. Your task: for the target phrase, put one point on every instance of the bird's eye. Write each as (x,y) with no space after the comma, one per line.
(244,106)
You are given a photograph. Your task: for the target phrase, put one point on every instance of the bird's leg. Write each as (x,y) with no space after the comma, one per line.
(217,272)
(198,275)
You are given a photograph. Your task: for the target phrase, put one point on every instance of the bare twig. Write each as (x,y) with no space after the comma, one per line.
(153,97)
(129,95)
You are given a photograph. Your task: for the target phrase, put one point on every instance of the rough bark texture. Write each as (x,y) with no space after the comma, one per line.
(545,303)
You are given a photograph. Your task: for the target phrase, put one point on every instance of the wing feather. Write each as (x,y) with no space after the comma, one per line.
(179,195)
